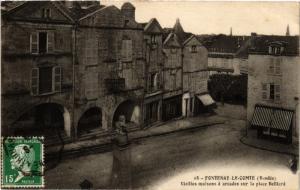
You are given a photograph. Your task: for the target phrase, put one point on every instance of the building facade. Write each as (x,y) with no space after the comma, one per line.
(72,70)
(172,78)
(153,46)
(37,69)
(273,85)
(195,76)
(78,72)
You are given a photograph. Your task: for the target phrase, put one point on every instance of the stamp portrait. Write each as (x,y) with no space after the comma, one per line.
(22,162)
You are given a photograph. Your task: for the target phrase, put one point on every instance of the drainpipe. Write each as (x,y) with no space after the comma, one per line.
(74,53)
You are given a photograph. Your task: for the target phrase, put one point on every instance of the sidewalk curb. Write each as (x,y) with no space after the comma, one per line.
(106,147)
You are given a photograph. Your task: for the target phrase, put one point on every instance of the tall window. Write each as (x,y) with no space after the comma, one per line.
(45,80)
(42,42)
(274,66)
(126,50)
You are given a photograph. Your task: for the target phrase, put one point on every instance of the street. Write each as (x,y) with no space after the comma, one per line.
(158,161)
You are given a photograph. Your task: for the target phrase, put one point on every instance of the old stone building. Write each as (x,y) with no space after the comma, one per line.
(37,69)
(153,46)
(195,96)
(172,77)
(109,69)
(273,86)
(71,68)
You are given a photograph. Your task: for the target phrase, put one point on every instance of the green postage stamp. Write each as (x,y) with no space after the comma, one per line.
(22,162)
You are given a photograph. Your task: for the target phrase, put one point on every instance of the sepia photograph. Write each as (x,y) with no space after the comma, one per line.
(147,94)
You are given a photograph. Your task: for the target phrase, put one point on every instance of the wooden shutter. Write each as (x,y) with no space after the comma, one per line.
(35,81)
(277,66)
(56,74)
(265,91)
(50,42)
(277,92)
(34,43)
(271,66)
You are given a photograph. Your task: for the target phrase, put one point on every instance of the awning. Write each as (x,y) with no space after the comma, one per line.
(271,117)
(282,119)
(206,99)
(262,116)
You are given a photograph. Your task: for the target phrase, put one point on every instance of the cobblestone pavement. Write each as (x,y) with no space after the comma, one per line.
(158,161)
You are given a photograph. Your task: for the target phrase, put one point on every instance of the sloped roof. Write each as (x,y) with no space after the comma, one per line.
(260,44)
(14,7)
(223,43)
(172,38)
(189,39)
(151,24)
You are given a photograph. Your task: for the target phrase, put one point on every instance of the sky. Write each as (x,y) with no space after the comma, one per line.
(203,17)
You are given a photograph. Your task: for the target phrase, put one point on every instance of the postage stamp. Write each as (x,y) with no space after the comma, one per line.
(22,162)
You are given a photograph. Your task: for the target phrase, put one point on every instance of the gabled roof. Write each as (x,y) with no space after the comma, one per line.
(58,5)
(260,44)
(189,39)
(151,25)
(172,38)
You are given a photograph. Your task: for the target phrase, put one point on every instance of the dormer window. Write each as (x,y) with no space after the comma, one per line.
(275,49)
(46,13)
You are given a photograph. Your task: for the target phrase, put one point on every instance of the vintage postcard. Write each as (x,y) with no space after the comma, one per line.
(142,94)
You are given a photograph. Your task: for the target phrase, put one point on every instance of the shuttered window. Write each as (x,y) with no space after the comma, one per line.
(126,50)
(45,80)
(34,81)
(271,91)
(34,43)
(42,42)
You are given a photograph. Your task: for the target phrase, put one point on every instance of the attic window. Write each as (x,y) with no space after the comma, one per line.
(46,13)
(194,49)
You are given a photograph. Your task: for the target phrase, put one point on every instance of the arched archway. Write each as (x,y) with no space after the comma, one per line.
(90,121)
(51,120)
(132,113)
